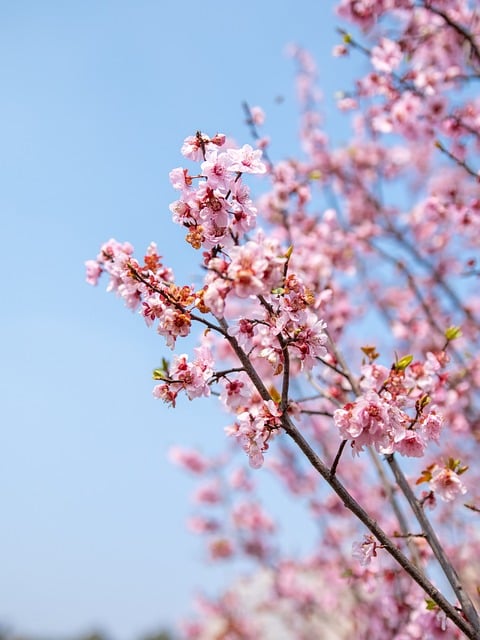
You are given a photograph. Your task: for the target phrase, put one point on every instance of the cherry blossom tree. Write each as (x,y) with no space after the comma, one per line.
(338,326)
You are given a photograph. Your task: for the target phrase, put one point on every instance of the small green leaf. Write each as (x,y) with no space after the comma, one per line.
(452,333)
(403,363)
(161,372)
(347,38)
(431,605)
(424,400)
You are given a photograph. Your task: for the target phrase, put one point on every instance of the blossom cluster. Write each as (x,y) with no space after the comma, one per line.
(380,417)
(215,205)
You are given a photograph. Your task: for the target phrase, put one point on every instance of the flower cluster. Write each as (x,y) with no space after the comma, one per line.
(381,416)
(193,378)
(215,205)
(254,428)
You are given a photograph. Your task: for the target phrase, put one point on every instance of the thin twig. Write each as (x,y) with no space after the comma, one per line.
(460,163)
(337,458)
(395,506)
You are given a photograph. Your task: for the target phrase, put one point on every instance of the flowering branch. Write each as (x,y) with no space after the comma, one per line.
(382,537)
(467,605)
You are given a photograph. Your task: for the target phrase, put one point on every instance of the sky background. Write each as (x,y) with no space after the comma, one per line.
(97,98)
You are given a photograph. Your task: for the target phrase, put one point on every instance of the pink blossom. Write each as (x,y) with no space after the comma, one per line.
(257,115)
(236,393)
(198,524)
(250,516)
(244,331)
(189,459)
(371,421)
(180,179)
(386,56)
(214,168)
(411,445)
(254,428)
(220,548)
(216,291)
(431,425)
(447,484)
(173,323)
(253,269)
(246,160)
(166,392)
(192,377)
(194,147)
(208,493)
(94,271)
(366,550)
(152,308)
(339,50)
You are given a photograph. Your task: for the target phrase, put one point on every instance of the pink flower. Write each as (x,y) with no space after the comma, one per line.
(180,179)
(372,421)
(339,50)
(308,338)
(246,160)
(173,323)
(386,56)
(236,393)
(250,516)
(244,331)
(216,291)
(192,377)
(195,147)
(198,524)
(257,115)
(431,425)
(366,550)
(254,428)
(153,308)
(214,168)
(166,393)
(208,493)
(220,548)
(94,271)
(249,268)
(189,459)
(411,445)
(446,484)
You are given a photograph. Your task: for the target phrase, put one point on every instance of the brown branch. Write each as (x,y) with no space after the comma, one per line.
(460,163)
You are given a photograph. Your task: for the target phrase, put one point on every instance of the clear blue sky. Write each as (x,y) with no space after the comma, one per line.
(97,97)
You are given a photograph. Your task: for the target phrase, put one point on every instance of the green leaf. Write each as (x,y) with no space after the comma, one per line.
(403,363)
(431,605)
(452,333)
